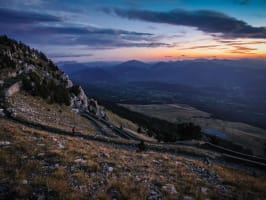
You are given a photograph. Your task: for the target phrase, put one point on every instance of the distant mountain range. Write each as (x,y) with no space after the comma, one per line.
(70,67)
(237,74)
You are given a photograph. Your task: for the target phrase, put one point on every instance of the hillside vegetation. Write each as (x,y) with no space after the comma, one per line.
(37,75)
(160,129)
(39,164)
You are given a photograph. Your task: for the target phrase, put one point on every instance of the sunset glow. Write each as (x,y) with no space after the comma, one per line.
(146,30)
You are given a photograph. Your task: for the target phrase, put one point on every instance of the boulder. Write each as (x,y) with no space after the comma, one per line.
(95,108)
(13,89)
(69,82)
(2,113)
(80,101)
(83,98)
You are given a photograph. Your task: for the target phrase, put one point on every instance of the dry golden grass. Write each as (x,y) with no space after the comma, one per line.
(241,180)
(127,125)
(119,121)
(86,169)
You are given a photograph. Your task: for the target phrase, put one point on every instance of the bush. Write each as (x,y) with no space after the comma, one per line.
(188,131)
(61,95)
(75,90)
(46,89)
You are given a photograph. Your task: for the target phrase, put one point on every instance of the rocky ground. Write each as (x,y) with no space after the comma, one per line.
(37,110)
(37,164)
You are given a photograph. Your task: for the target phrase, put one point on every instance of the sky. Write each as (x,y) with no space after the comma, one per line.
(147,30)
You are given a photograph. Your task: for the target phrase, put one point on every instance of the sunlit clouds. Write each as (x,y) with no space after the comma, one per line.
(145,30)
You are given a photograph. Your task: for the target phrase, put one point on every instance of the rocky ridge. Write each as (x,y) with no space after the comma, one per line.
(24,68)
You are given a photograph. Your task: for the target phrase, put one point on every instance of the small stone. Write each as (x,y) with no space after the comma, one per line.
(3,143)
(41,197)
(110,169)
(41,154)
(61,146)
(188,197)
(152,192)
(173,189)
(138,179)
(170,188)
(2,114)
(178,163)
(204,190)
(80,161)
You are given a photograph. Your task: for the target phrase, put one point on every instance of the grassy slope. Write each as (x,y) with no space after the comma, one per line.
(127,125)
(72,168)
(119,121)
(37,110)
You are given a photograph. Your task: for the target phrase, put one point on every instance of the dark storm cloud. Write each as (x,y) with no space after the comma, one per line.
(47,29)
(203,20)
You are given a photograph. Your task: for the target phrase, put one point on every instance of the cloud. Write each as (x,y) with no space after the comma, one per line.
(202,47)
(19,3)
(204,20)
(241,48)
(35,28)
(234,42)
(8,16)
(69,55)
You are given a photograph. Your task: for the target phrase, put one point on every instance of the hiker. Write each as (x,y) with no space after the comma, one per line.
(74,130)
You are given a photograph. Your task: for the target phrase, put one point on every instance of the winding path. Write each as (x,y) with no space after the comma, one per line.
(119,139)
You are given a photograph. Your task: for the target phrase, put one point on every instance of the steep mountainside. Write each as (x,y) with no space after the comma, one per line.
(24,68)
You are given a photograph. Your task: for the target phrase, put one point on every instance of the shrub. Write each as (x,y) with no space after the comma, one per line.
(75,90)
(46,89)
(189,131)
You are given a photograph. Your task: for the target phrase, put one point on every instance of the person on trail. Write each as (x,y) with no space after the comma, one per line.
(74,130)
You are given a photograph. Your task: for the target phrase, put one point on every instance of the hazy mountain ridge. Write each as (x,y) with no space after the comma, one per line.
(200,72)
